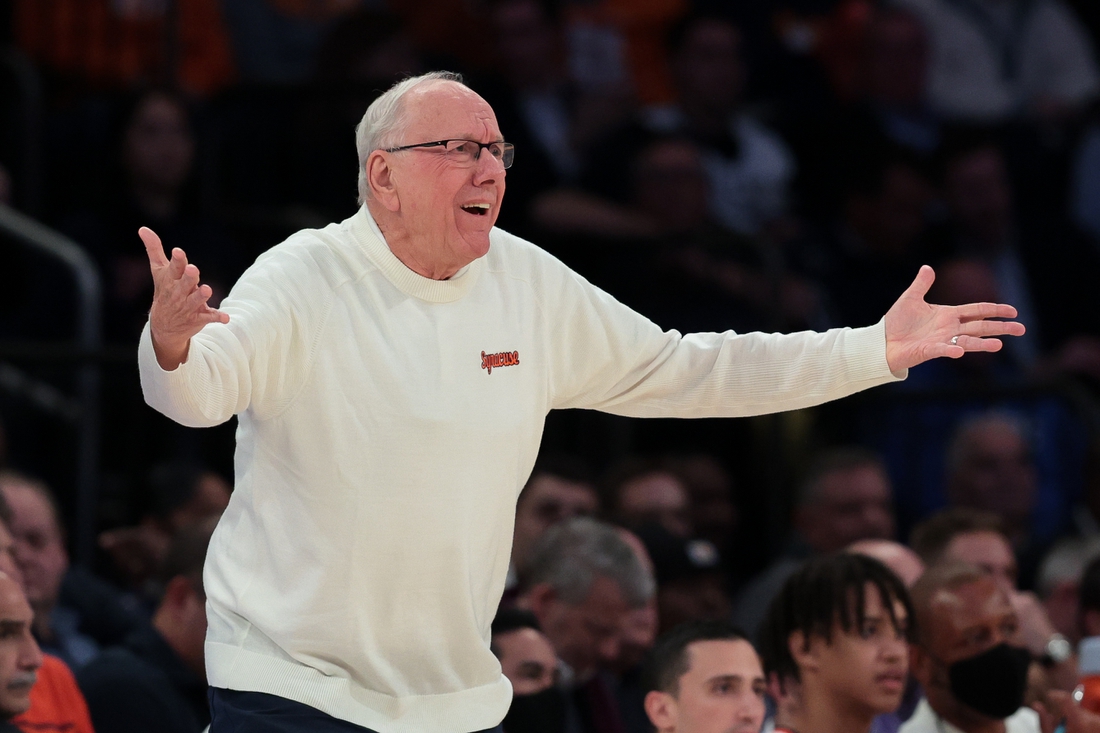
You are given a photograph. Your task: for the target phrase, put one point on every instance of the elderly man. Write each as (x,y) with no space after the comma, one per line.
(20,656)
(391,375)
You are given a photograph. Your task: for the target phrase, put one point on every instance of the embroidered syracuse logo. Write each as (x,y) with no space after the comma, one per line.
(503,359)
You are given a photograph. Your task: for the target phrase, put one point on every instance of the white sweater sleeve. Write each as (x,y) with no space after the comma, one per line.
(607,357)
(258,360)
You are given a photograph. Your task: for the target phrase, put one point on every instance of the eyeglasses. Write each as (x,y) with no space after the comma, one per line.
(466,152)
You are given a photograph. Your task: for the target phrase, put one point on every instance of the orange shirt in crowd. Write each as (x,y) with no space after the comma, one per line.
(114,44)
(56,702)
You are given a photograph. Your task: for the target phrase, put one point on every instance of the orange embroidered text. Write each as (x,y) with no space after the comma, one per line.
(503,359)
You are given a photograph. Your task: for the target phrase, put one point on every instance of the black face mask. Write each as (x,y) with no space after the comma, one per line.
(542,712)
(992,683)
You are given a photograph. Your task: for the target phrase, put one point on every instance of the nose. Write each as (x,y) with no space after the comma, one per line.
(30,656)
(487,168)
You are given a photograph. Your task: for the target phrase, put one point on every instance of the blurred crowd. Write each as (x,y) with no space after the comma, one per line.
(768,165)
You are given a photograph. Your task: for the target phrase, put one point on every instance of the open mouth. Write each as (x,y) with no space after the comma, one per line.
(476,209)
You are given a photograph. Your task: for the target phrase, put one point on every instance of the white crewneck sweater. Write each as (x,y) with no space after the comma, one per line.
(386,425)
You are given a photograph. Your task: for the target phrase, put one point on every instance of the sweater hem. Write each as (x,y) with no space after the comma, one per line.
(475,709)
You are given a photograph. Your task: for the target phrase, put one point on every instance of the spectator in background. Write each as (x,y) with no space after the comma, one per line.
(704,677)
(117,45)
(182,494)
(890,111)
(846,496)
(20,656)
(748,167)
(641,492)
(905,563)
(55,700)
(525,654)
(691,581)
(1058,583)
(965,655)
(908,566)
(155,682)
(882,236)
(581,582)
(978,539)
(75,612)
(560,487)
(529,663)
(990,468)
(838,631)
(275,41)
(996,60)
(1040,264)
(540,106)
(153,167)
(710,494)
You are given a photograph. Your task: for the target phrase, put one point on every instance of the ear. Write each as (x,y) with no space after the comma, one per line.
(803,651)
(380,181)
(662,710)
(539,600)
(177,593)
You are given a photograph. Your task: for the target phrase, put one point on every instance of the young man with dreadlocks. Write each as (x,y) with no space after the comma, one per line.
(838,632)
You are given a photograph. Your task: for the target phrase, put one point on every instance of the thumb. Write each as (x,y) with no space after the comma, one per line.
(921,284)
(153,247)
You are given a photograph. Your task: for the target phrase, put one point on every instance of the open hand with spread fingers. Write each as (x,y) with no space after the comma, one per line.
(180,308)
(917,331)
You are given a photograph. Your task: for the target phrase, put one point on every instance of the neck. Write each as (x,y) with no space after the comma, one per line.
(823,712)
(406,246)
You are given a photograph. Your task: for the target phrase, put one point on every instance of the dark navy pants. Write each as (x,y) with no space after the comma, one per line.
(257,712)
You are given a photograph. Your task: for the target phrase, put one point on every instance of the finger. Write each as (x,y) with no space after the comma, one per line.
(973,343)
(153,247)
(213,315)
(979,311)
(198,297)
(177,263)
(993,328)
(190,278)
(920,285)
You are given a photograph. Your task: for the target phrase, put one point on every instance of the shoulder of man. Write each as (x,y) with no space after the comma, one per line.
(57,703)
(124,690)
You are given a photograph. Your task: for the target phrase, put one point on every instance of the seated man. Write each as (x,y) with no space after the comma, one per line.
(838,630)
(979,539)
(966,655)
(74,612)
(20,656)
(582,582)
(704,676)
(156,681)
(526,656)
(529,663)
(56,703)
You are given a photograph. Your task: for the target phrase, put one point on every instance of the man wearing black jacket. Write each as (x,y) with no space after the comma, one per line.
(156,680)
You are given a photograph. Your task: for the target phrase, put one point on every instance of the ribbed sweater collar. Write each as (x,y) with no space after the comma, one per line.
(369,237)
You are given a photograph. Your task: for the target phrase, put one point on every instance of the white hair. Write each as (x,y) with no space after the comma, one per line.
(385,120)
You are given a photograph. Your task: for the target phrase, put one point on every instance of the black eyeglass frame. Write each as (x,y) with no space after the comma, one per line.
(506,148)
